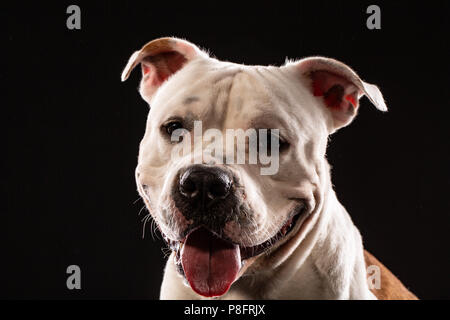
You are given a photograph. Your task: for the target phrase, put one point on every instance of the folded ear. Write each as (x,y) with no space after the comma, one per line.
(340,87)
(160,59)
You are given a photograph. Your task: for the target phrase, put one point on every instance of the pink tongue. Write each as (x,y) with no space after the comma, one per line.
(209,263)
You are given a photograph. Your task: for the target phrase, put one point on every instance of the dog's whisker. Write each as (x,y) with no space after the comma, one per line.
(154,229)
(141,210)
(145,219)
(166,251)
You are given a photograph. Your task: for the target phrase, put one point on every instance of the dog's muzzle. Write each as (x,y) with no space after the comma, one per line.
(209,197)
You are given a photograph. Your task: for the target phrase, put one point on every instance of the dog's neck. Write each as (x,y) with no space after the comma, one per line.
(337,258)
(327,264)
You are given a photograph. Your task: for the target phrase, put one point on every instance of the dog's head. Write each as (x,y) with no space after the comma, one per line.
(219,212)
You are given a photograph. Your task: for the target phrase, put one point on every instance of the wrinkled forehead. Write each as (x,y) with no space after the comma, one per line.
(227,95)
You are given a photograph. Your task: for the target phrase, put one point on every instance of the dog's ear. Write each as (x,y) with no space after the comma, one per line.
(160,59)
(339,86)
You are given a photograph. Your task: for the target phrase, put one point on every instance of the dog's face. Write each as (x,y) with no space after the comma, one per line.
(215,212)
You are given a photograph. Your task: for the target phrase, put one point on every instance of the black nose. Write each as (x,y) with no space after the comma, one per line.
(205,185)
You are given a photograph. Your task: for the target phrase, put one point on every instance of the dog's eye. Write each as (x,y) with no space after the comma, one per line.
(172,126)
(267,144)
(284,145)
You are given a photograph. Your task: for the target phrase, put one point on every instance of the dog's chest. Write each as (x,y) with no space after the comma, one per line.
(303,284)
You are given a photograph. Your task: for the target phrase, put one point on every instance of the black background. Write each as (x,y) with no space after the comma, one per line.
(72,132)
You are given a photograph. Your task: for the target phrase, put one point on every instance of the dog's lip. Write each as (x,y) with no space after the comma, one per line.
(284,231)
(249,252)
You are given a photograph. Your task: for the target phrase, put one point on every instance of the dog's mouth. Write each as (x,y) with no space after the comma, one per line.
(211,264)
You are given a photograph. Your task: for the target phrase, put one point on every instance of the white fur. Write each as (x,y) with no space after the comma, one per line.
(323,259)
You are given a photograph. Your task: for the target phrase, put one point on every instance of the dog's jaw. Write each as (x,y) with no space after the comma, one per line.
(246,255)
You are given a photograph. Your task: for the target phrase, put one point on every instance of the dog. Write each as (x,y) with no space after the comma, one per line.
(235,233)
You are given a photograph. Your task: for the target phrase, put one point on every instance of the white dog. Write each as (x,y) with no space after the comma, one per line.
(234,232)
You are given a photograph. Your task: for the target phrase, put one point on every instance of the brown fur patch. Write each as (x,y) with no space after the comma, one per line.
(391,286)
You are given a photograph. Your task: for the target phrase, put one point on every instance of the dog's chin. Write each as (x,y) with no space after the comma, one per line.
(211,263)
